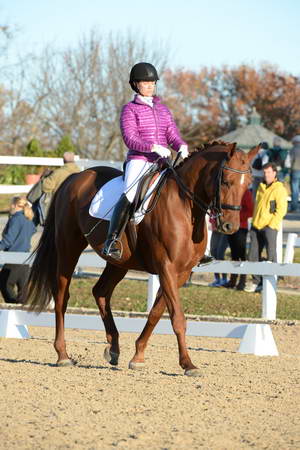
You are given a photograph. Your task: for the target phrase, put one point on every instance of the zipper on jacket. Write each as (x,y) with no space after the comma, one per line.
(156,127)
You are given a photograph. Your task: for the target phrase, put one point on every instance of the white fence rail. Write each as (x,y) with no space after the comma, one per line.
(269,272)
(48,162)
(256,338)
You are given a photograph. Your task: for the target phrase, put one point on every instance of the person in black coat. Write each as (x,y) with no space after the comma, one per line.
(16,237)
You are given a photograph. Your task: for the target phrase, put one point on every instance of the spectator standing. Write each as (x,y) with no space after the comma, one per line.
(51,183)
(218,246)
(295,172)
(16,237)
(34,196)
(277,155)
(270,209)
(260,159)
(237,241)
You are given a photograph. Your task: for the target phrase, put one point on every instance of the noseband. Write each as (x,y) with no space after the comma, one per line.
(215,206)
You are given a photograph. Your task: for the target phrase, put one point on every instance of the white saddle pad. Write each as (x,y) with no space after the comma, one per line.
(103,203)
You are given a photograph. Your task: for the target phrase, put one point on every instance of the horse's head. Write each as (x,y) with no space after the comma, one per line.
(215,178)
(233,176)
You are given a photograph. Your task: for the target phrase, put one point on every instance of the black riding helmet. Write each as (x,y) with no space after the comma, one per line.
(142,72)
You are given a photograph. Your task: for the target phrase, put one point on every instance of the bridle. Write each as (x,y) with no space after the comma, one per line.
(216,203)
(215,206)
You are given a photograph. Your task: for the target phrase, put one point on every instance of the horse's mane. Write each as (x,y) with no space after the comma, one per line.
(206,147)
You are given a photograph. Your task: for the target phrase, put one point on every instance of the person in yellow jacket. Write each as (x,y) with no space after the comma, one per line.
(270,208)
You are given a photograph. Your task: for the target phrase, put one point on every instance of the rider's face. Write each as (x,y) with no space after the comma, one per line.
(146,88)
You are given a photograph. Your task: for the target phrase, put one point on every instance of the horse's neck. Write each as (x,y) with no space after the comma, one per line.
(195,173)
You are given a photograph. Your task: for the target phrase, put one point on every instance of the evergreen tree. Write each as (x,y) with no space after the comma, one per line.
(65,145)
(33,148)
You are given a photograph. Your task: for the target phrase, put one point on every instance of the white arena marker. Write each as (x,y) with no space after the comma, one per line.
(10,326)
(258,340)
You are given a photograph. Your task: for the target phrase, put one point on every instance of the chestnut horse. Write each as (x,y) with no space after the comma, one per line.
(171,240)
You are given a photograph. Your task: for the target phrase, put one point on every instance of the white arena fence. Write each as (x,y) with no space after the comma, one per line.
(292,241)
(256,338)
(47,162)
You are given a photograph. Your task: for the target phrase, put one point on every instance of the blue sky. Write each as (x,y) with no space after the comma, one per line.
(198,32)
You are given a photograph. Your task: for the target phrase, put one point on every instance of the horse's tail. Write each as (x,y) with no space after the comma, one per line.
(42,282)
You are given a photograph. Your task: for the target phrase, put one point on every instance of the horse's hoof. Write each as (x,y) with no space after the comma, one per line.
(111,357)
(65,363)
(193,372)
(136,365)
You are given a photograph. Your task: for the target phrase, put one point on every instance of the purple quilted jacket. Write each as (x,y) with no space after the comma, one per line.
(143,125)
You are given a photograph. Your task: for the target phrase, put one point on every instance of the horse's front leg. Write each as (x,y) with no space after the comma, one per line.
(138,361)
(169,286)
(102,292)
(157,310)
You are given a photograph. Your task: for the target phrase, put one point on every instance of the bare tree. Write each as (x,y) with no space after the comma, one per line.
(15,112)
(80,91)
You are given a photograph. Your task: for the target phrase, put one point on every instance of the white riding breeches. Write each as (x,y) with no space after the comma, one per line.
(135,169)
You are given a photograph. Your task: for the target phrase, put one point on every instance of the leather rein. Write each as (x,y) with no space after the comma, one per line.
(215,206)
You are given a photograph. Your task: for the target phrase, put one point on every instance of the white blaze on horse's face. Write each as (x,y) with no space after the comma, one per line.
(242,179)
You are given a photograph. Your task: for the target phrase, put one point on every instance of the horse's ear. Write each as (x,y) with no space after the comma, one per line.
(231,147)
(253,152)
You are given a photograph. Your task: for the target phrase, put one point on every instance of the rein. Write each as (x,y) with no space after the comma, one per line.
(215,206)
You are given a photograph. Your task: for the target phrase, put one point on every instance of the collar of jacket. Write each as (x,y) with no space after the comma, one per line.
(17,213)
(136,99)
(266,186)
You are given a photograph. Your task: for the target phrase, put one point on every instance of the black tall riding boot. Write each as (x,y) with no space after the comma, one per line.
(117,225)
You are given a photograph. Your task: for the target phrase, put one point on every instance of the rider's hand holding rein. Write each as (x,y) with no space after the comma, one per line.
(184,151)
(148,129)
(161,151)
(165,152)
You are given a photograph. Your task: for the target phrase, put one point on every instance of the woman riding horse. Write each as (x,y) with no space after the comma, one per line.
(147,128)
(171,240)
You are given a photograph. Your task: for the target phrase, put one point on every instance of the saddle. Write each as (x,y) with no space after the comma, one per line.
(104,201)
(145,183)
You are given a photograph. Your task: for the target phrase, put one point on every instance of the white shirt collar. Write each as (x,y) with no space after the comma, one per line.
(147,100)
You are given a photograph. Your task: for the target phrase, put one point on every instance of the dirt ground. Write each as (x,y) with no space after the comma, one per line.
(242,401)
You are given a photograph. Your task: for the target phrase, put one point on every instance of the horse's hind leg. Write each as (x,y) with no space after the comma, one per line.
(102,292)
(67,259)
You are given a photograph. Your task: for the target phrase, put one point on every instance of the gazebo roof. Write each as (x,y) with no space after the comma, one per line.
(252,134)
